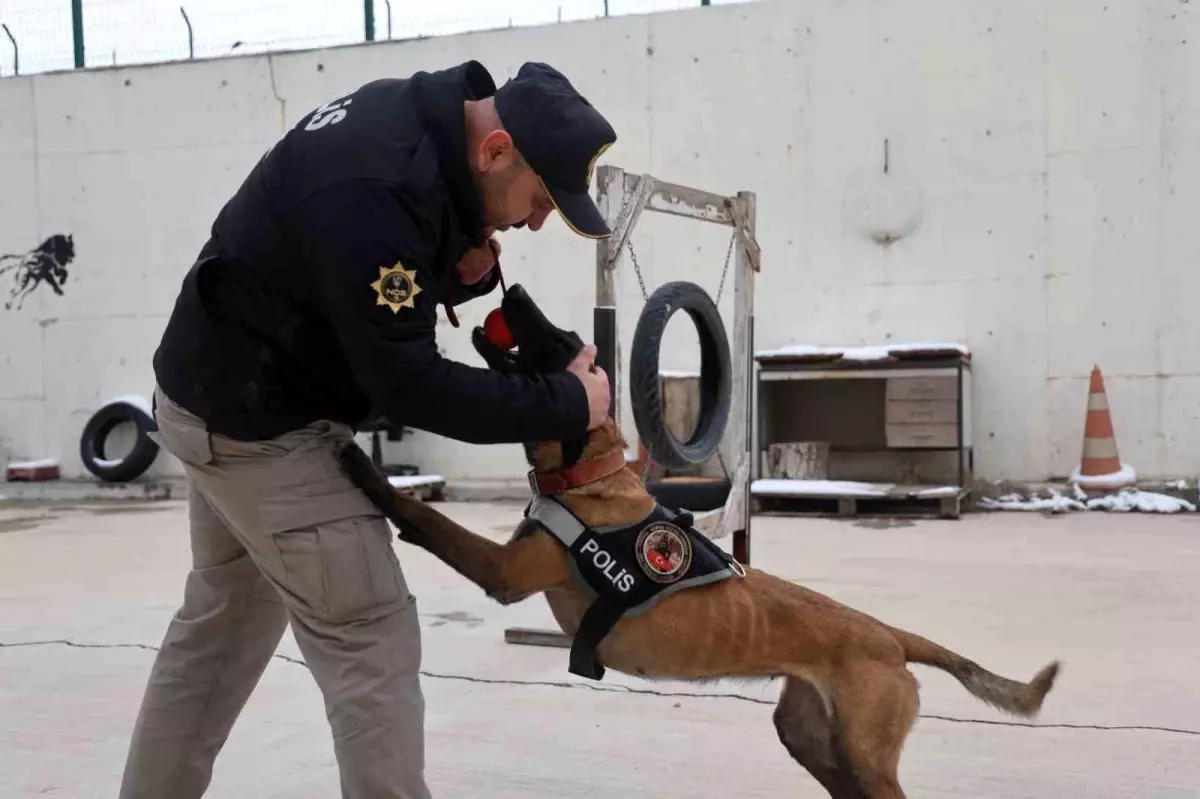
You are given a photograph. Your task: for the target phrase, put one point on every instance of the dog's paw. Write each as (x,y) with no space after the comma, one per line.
(357,465)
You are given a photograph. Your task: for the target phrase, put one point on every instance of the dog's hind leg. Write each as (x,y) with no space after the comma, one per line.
(811,737)
(875,705)
(507,572)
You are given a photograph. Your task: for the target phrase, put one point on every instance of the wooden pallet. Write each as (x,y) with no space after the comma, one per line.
(823,498)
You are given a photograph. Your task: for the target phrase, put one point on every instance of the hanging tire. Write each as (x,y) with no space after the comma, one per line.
(716,384)
(691,494)
(95,435)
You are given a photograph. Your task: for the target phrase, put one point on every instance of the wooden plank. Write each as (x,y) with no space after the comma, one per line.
(951,507)
(685,201)
(922,411)
(901,501)
(627,217)
(774,372)
(923,387)
(530,636)
(915,436)
(738,432)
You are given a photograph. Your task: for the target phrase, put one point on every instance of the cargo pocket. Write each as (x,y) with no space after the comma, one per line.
(342,570)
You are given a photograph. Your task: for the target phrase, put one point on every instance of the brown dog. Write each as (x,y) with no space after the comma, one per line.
(848,700)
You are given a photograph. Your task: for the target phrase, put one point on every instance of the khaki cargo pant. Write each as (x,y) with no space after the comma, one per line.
(279,535)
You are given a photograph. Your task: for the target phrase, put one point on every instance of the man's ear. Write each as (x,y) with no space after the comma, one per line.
(496,152)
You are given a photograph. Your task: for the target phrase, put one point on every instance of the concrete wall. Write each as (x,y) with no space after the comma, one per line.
(1043,171)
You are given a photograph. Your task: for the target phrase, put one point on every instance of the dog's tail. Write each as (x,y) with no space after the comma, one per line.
(1022,699)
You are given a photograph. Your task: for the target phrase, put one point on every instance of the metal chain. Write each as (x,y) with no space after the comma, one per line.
(725,270)
(637,268)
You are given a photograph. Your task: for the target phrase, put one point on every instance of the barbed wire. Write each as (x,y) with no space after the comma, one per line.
(37,37)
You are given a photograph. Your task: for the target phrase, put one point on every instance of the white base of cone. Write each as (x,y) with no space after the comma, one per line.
(1105,482)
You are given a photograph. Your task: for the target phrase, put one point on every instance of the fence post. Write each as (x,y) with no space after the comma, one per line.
(77,27)
(369,19)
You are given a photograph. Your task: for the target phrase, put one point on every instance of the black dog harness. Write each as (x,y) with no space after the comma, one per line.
(627,570)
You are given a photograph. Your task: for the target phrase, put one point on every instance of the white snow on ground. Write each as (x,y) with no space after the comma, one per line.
(1055,503)
(868,353)
(1145,501)
(1123,501)
(937,491)
(1127,475)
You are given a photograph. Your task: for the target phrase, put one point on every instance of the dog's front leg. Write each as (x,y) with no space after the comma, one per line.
(506,572)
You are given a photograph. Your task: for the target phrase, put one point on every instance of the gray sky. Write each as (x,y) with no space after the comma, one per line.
(137,31)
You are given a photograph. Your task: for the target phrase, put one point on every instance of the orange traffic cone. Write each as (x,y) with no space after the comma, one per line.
(1101,467)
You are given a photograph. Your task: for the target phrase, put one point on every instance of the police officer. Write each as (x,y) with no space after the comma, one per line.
(311,308)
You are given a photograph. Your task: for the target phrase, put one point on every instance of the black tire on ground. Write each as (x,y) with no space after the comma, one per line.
(716,385)
(96,432)
(690,493)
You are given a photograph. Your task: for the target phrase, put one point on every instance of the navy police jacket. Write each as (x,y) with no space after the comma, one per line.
(316,294)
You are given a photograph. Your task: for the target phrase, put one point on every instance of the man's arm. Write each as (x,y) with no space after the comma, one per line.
(370,258)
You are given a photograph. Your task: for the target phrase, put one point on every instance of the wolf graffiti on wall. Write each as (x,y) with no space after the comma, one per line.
(46,263)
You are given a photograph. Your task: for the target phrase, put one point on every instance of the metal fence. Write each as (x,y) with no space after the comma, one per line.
(45,35)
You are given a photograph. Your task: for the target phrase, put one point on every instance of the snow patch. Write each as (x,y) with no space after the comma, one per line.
(1055,503)
(414,480)
(44,463)
(1126,475)
(939,491)
(772,487)
(1145,501)
(1123,501)
(877,352)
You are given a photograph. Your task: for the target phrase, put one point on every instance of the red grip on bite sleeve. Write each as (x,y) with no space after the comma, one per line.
(496,330)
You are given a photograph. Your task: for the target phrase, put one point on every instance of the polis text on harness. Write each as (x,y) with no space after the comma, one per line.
(628,569)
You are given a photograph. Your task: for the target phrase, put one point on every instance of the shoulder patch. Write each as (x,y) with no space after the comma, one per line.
(396,287)
(664,552)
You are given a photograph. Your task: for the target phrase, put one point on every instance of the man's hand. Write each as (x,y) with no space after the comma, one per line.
(478,261)
(595,381)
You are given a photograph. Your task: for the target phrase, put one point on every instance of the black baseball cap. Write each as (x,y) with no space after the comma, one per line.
(560,135)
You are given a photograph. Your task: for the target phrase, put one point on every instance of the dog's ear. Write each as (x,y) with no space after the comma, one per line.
(500,360)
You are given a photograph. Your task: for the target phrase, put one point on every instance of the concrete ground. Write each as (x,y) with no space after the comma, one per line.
(1115,596)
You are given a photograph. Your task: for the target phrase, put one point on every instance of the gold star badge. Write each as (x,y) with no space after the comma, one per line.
(396,287)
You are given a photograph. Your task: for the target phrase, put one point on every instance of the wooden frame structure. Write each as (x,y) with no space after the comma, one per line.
(622,197)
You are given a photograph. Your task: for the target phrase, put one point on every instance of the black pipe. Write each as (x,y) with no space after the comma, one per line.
(604,322)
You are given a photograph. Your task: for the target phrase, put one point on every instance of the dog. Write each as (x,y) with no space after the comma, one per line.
(848,700)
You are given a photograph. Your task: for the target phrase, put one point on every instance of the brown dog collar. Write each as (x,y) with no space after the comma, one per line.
(582,473)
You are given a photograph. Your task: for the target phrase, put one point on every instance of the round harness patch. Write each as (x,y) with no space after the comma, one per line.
(664,552)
